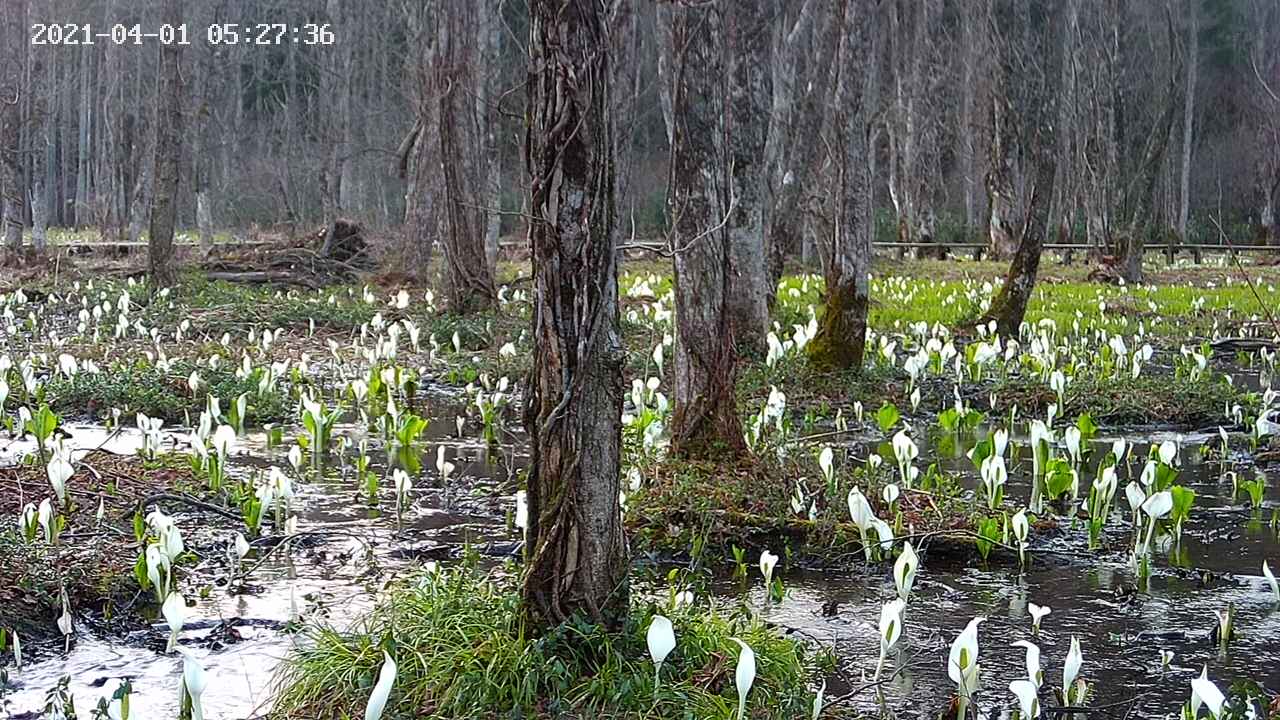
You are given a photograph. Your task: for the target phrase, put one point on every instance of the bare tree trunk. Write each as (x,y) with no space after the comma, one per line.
(577,556)
(142,190)
(1188,117)
(799,102)
(164,201)
(842,330)
(83,211)
(1269,221)
(41,148)
(12,95)
(1026,92)
(1001,228)
(968,127)
(487,98)
(746,44)
(456,77)
(1009,306)
(705,416)
(419,151)
(204,221)
(335,86)
(1139,193)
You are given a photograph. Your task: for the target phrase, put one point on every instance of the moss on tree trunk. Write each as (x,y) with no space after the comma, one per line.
(842,331)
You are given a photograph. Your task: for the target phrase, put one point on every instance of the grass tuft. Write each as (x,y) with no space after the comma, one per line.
(463,651)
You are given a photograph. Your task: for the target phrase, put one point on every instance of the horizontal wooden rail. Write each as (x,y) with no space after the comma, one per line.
(1203,247)
(143,243)
(1214,247)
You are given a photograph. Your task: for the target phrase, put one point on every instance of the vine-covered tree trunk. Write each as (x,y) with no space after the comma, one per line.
(746,121)
(577,558)
(12,51)
(705,419)
(842,330)
(164,201)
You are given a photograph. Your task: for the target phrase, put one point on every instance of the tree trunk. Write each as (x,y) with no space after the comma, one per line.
(418,154)
(1188,118)
(456,77)
(1026,88)
(1009,306)
(41,150)
(204,221)
(83,213)
(791,155)
(746,45)
(968,127)
(1002,242)
(140,208)
(487,110)
(12,94)
(842,329)
(705,416)
(335,88)
(164,201)
(1140,192)
(577,557)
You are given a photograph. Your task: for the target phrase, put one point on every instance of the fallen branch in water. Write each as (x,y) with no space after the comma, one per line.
(142,504)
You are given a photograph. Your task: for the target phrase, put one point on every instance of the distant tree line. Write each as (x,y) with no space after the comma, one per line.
(743,134)
(1150,122)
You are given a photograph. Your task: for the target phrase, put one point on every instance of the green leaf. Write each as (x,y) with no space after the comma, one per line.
(1183,499)
(1086,426)
(887,416)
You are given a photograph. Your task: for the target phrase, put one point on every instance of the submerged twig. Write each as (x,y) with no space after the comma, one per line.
(187,500)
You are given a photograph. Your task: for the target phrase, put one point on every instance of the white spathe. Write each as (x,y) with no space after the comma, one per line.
(1203,691)
(381,690)
(194,681)
(661,638)
(744,675)
(1028,698)
(174,610)
(1034,673)
(904,570)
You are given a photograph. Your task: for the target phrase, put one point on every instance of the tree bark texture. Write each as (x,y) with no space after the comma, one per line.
(746,123)
(12,97)
(842,330)
(705,417)
(802,79)
(1025,97)
(164,201)
(576,552)
(1188,117)
(1139,194)
(458,76)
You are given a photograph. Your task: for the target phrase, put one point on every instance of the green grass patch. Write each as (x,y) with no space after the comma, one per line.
(462,651)
(706,510)
(140,387)
(222,306)
(1151,398)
